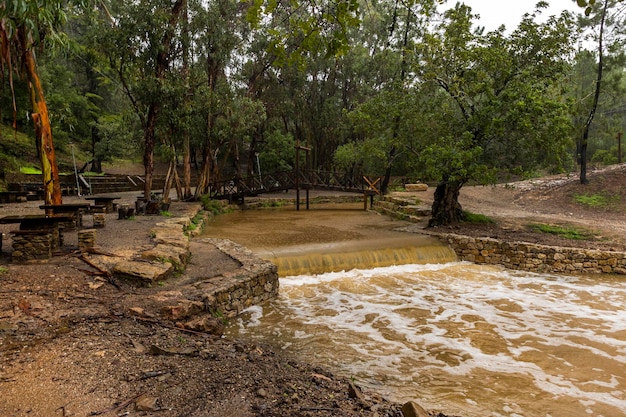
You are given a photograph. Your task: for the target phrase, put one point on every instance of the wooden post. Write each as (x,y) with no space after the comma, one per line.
(298,149)
(297,174)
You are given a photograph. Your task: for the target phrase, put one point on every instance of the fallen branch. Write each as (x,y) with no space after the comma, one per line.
(117,407)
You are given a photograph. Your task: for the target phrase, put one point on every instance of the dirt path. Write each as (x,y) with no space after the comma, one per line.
(550,200)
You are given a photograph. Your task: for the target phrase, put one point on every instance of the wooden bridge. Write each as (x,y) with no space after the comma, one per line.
(235,190)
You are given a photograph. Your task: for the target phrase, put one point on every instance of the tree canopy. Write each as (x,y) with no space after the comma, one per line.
(393,89)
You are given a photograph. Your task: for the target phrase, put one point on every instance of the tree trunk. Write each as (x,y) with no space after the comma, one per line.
(596,97)
(43,132)
(384,186)
(162,62)
(185,35)
(446,208)
(186,193)
(149,139)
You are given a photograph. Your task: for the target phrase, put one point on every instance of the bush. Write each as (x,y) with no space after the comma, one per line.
(477,218)
(563,231)
(214,206)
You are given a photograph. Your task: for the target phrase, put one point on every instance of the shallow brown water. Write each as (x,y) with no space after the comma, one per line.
(477,341)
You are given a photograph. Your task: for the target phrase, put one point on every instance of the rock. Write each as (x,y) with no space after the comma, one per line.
(261,393)
(416,187)
(86,240)
(144,272)
(146,403)
(138,311)
(356,393)
(170,236)
(206,324)
(413,409)
(170,253)
(184,309)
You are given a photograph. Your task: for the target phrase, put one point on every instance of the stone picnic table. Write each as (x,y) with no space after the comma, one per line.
(76,210)
(104,201)
(37,236)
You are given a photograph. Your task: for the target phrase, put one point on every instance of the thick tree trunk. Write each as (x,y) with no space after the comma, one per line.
(446,208)
(43,132)
(205,174)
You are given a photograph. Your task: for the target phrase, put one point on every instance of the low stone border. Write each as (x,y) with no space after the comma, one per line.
(170,253)
(533,257)
(254,282)
(513,255)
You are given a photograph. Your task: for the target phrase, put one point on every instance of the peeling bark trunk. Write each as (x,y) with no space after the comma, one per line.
(446,208)
(43,132)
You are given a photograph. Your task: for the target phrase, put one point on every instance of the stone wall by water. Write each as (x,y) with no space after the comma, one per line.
(254,282)
(533,257)
(513,255)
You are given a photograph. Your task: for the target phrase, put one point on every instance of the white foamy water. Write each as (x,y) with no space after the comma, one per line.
(460,338)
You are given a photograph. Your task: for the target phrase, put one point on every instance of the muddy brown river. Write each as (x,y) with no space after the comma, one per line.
(414,324)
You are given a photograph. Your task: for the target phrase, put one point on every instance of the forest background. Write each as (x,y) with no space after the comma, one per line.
(227,89)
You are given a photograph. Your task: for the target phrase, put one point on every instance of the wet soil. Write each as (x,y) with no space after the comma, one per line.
(73,344)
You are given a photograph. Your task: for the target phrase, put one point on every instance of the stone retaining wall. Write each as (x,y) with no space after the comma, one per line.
(254,282)
(533,257)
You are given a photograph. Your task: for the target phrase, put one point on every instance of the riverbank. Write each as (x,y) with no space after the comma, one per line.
(72,343)
(76,343)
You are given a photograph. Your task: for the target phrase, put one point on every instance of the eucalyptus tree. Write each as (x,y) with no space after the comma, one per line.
(140,39)
(218,31)
(25,26)
(606,21)
(498,102)
(294,66)
(391,30)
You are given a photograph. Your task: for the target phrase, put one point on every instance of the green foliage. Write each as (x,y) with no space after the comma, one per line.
(16,150)
(470,217)
(30,170)
(278,152)
(595,200)
(3,270)
(165,213)
(273,203)
(213,206)
(563,231)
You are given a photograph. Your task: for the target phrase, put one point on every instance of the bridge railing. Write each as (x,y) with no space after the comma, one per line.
(238,188)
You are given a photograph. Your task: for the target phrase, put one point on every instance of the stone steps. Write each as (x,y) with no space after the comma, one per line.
(401,208)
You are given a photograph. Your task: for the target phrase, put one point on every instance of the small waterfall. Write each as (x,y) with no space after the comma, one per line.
(344,256)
